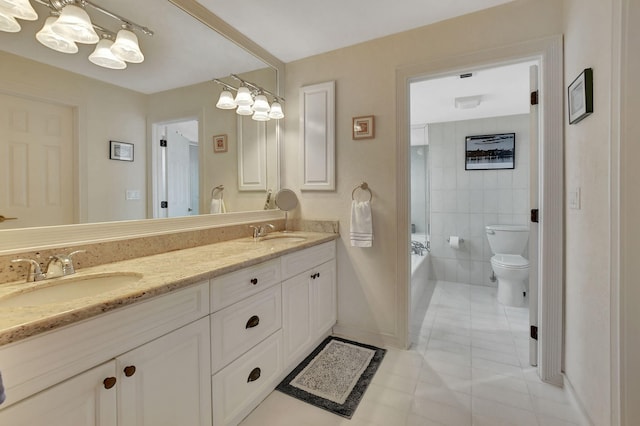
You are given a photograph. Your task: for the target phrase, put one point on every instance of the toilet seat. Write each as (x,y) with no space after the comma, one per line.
(510,261)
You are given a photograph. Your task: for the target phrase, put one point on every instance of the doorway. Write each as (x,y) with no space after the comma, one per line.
(175,151)
(549,202)
(454,196)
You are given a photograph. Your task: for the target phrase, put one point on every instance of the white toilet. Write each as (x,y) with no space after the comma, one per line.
(508,243)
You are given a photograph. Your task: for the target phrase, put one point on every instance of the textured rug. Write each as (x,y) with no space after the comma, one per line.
(335,375)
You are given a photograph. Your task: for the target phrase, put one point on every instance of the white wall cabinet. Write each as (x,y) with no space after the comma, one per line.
(317,137)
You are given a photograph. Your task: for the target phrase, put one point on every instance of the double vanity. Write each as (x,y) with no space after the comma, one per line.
(197,336)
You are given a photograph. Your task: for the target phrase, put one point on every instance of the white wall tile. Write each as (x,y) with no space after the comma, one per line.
(505,201)
(490,179)
(490,204)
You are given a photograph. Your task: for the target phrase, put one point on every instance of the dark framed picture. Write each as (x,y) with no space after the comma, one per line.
(580,96)
(122,151)
(490,152)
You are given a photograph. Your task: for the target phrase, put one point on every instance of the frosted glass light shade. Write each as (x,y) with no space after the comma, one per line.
(103,56)
(226,100)
(276,111)
(244,110)
(244,98)
(126,47)
(74,24)
(54,40)
(260,116)
(260,104)
(8,23)
(20,9)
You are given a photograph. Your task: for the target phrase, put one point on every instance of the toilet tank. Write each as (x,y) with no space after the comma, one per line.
(507,239)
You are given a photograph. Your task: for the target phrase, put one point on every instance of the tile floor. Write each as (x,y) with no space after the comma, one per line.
(469,367)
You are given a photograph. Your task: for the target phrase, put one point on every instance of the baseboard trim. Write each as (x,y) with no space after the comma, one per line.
(370,338)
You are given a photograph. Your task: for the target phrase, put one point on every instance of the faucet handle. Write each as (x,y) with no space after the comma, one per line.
(35,272)
(66,262)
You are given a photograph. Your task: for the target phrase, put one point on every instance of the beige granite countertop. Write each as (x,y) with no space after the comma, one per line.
(161,273)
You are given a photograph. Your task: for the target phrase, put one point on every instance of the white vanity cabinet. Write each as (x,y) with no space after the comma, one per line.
(146,364)
(308,299)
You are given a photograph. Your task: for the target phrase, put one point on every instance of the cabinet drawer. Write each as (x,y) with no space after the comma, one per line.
(235,286)
(295,263)
(238,328)
(240,387)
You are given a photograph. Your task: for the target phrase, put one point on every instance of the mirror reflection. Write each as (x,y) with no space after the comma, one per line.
(60,113)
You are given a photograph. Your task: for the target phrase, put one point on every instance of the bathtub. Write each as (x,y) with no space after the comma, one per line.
(421,283)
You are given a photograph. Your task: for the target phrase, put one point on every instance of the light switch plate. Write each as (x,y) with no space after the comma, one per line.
(574,198)
(132,194)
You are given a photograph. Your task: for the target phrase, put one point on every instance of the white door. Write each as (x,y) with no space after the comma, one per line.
(167,382)
(533,203)
(88,399)
(323,282)
(36,163)
(178,175)
(296,316)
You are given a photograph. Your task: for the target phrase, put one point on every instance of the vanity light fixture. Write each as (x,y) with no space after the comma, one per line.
(104,57)
(71,24)
(250,100)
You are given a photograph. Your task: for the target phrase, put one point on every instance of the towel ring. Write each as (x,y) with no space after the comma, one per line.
(218,188)
(365,187)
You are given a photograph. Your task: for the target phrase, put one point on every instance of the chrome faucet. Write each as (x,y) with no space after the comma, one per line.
(35,272)
(260,231)
(61,265)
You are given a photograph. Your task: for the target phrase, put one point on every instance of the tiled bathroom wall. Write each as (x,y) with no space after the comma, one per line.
(464,201)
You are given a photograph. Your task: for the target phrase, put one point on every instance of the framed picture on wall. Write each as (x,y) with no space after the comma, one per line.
(122,151)
(220,143)
(581,96)
(490,152)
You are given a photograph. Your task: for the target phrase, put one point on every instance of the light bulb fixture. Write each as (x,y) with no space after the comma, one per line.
(126,46)
(54,40)
(276,111)
(260,116)
(225,101)
(250,100)
(244,110)
(104,57)
(260,104)
(74,24)
(243,97)
(20,9)
(468,102)
(8,23)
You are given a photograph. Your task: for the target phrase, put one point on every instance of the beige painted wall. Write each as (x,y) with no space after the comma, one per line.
(587,316)
(365,84)
(629,213)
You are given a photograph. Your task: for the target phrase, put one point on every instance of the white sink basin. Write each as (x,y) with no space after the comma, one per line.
(70,288)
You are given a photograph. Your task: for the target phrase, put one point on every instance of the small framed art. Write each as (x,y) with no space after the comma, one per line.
(581,96)
(490,152)
(363,127)
(220,143)
(122,151)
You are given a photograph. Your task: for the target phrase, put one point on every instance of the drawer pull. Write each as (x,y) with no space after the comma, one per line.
(109,382)
(253,322)
(254,375)
(129,370)
(254,281)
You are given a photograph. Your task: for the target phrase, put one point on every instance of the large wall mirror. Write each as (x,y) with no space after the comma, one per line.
(82,144)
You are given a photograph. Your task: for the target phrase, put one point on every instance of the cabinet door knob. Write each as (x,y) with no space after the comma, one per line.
(254,375)
(253,322)
(254,281)
(129,370)
(109,382)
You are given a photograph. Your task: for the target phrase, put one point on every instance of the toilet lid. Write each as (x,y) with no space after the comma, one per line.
(512,261)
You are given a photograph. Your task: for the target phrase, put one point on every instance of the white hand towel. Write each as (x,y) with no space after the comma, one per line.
(361,224)
(217,206)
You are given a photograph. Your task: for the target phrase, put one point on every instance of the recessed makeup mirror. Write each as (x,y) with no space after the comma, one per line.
(286,200)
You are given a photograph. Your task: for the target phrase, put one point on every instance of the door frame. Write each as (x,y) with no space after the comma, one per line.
(549,52)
